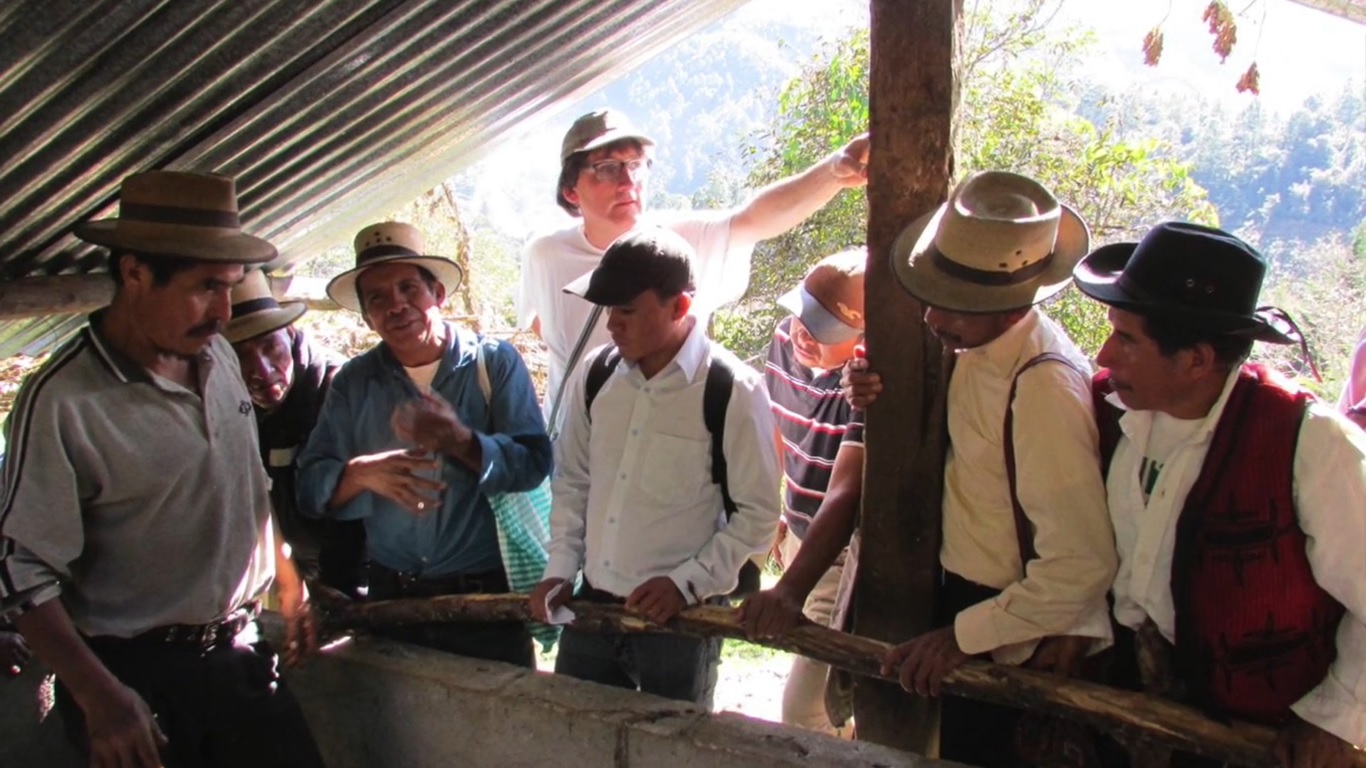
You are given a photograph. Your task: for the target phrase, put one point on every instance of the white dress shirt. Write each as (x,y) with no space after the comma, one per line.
(633,491)
(1330,490)
(1059,485)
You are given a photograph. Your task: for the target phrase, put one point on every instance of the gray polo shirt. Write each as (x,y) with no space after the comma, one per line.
(138,501)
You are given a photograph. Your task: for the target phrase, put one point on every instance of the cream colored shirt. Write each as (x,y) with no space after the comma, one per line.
(1330,490)
(1059,486)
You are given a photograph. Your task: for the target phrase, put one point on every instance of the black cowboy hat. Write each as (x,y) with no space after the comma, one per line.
(1196,276)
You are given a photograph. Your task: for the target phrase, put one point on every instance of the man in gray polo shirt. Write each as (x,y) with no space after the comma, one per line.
(135,527)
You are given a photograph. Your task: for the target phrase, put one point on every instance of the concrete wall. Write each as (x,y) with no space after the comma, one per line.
(375,704)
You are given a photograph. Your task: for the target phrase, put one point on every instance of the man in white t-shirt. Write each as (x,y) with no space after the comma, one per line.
(604,163)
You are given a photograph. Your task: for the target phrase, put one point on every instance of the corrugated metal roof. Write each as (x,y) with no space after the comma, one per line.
(328,112)
(1352,10)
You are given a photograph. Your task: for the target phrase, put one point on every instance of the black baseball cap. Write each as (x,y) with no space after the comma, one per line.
(641,260)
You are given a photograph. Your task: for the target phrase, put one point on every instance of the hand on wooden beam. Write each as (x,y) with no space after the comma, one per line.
(921,664)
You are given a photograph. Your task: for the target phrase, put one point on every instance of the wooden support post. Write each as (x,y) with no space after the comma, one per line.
(58,295)
(912,97)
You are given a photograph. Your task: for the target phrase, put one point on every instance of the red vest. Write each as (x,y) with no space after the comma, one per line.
(1254,630)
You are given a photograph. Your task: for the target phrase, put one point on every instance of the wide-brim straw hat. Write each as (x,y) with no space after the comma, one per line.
(179,214)
(1001,242)
(391,242)
(255,310)
(1192,275)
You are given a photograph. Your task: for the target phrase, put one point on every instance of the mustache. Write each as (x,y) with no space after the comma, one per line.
(208,328)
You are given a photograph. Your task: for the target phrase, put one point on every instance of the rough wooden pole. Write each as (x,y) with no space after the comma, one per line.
(59,295)
(911,99)
(1131,716)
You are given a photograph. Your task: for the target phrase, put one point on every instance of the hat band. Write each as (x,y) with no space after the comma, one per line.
(254,305)
(988,276)
(381,251)
(167,214)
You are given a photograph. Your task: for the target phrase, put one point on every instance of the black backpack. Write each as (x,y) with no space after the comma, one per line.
(715,400)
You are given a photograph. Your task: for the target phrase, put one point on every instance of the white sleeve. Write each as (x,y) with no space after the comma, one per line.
(723,265)
(531,298)
(1330,484)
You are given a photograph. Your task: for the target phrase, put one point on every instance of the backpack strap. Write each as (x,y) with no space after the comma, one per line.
(602,365)
(574,355)
(482,369)
(715,401)
(1024,533)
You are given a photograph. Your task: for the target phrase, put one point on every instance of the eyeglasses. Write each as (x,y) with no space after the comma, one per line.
(611,170)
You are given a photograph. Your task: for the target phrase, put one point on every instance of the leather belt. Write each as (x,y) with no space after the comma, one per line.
(404,584)
(202,636)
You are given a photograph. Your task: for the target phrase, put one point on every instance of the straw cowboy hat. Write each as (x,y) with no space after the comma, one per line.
(390,242)
(1196,276)
(255,311)
(1001,242)
(175,213)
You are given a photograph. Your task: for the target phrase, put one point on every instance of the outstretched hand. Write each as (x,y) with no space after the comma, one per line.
(850,165)
(396,475)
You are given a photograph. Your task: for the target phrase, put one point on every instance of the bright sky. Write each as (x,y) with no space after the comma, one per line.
(1299,51)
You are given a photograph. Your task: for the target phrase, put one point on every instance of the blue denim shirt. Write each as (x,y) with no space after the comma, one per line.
(460,536)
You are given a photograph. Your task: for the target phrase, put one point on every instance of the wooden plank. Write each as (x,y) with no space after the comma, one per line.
(911,99)
(1134,717)
(30,297)
(59,295)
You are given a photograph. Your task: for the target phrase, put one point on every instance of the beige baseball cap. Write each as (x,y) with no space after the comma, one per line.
(829,300)
(598,129)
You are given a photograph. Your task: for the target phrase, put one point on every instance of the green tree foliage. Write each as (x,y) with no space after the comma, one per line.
(1286,179)
(1015,115)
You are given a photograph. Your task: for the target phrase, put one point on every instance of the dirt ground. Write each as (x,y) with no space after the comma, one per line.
(751,681)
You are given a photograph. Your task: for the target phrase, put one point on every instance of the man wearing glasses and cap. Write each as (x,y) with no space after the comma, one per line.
(136,538)
(288,378)
(822,452)
(604,164)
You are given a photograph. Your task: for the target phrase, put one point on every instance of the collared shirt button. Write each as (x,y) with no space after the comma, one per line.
(635,432)
(622,476)
(611,519)
(607,563)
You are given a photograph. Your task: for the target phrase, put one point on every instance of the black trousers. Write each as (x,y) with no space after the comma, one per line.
(973,732)
(221,708)
(508,642)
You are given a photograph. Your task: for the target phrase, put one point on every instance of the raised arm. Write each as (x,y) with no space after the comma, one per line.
(788,202)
